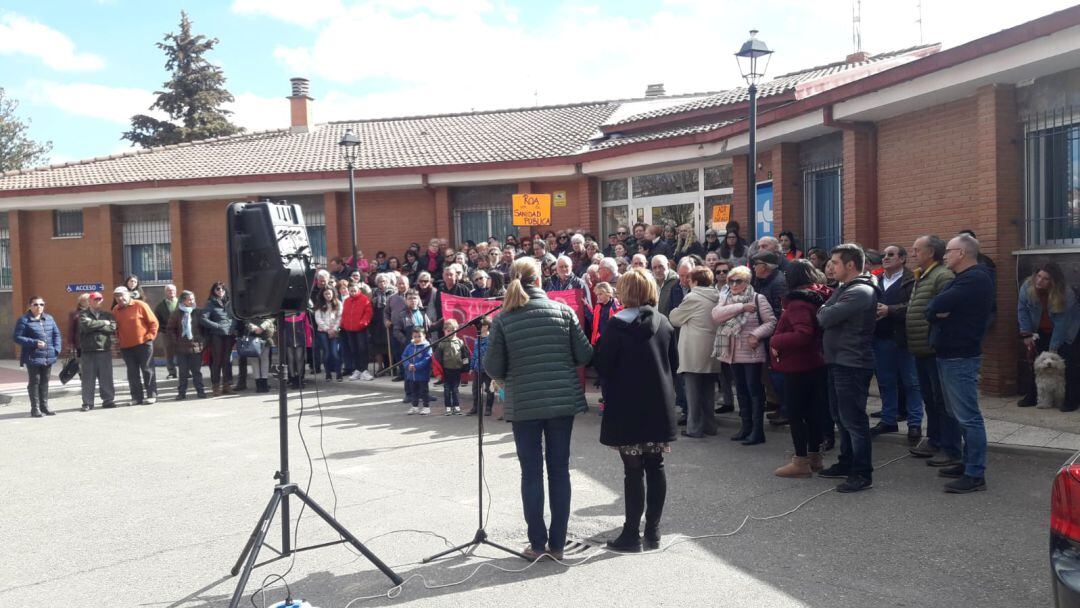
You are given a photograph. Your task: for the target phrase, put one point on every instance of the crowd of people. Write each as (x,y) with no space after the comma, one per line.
(676,330)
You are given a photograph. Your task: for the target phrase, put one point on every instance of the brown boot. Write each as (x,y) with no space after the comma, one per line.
(226,388)
(216,390)
(798,467)
(816,463)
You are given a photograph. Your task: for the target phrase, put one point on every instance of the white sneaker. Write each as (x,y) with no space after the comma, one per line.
(150,400)
(425,411)
(414,410)
(366,376)
(355,376)
(457,411)
(448,412)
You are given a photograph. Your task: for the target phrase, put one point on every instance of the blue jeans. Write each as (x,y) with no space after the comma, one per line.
(680,393)
(848,388)
(941,427)
(328,350)
(893,366)
(531,453)
(960,383)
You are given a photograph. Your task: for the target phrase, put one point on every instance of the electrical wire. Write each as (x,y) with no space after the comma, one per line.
(396,590)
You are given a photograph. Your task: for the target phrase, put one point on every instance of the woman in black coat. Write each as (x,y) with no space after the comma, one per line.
(635,357)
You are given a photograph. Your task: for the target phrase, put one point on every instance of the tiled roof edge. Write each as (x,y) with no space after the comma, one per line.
(95,159)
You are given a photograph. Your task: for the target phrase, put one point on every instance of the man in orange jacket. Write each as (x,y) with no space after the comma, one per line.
(136,328)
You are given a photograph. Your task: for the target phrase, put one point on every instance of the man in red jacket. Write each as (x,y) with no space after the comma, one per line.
(355,317)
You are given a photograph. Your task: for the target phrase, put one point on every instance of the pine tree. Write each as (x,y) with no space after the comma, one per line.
(16,150)
(192,97)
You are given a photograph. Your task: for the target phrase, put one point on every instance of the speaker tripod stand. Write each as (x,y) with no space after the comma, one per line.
(280,499)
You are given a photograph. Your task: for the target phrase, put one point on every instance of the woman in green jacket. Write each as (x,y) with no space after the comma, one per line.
(543,394)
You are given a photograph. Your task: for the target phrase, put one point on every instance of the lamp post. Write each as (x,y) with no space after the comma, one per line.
(747,57)
(350,151)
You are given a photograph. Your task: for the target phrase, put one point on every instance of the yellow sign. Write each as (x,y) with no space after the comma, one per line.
(721,214)
(559,197)
(532,209)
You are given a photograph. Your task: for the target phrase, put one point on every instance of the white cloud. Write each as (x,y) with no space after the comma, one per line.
(307,13)
(112,104)
(22,36)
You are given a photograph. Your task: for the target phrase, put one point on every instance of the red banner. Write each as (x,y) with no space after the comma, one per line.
(464,310)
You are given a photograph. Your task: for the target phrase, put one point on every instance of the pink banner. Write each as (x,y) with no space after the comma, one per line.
(464,310)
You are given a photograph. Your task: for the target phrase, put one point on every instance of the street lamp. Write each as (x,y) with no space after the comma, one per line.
(752,71)
(350,151)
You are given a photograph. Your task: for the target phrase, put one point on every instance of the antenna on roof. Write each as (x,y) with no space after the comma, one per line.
(918,8)
(856,25)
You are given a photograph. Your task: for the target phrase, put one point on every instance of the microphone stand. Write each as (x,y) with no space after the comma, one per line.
(481,536)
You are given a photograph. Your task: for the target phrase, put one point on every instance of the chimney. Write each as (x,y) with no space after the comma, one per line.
(654,90)
(300,106)
(857,57)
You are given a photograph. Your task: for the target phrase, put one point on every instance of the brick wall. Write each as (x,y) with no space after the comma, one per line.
(951,167)
(927,173)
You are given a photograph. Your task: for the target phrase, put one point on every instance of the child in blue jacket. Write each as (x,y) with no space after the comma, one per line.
(418,371)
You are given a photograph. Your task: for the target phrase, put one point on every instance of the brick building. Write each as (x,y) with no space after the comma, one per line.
(874,149)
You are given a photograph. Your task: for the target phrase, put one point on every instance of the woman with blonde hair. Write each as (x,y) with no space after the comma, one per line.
(636,356)
(687,243)
(746,319)
(543,394)
(1049,318)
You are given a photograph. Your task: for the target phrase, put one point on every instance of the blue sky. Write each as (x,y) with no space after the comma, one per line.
(81,68)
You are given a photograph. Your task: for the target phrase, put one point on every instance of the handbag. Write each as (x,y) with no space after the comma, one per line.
(71,367)
(249,346)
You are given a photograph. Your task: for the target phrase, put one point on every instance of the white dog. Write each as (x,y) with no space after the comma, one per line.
(1050,379)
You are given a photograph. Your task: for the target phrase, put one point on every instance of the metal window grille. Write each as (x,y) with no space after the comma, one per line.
(315,220)
(5,253)
(68,223)
(146,238)
(482,211)
(823,207)
(1052,177)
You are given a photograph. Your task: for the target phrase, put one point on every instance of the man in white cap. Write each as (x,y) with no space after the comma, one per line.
(97,328)
(136,327)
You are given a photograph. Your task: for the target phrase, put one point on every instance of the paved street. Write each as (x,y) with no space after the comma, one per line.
(149,506)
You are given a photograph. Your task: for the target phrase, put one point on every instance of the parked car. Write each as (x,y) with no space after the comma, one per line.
(1065,534)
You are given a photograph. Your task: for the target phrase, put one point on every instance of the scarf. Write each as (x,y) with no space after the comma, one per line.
(185,322)
(730,329)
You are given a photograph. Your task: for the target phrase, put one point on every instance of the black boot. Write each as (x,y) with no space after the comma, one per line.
(241,385)
(629,541)
(262,385)
(655,495)
(44,407)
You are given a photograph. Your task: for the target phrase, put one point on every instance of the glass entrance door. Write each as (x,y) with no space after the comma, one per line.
(674,214)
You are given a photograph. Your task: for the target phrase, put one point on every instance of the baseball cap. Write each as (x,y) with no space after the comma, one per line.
(97,296)
(121,290)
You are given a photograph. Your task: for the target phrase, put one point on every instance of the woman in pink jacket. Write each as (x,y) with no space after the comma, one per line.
(745,320)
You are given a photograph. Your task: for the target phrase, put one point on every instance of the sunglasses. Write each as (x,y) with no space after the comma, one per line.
(736,281)
(424,281)
(721,271)
(621,233)
(38,304)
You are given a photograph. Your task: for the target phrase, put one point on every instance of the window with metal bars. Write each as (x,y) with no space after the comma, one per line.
(5,253)
(315,220)
(1052,178)
(482,211)
(823,208)
(68,223)
(146,238)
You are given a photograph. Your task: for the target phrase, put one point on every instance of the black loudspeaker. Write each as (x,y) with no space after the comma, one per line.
(270,268)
